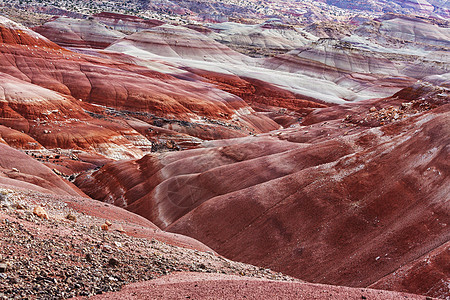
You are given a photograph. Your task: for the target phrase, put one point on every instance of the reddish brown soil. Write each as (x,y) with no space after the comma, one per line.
(219,286)
(17,36)
(347,199)
(20,170)
(425,274)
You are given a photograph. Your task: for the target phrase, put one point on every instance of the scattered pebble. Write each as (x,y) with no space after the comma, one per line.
(43,261)
(120,229)
(112,262)
(19,206)
(71,217)
(3,267)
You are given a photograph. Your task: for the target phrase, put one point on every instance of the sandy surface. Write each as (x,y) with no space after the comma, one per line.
(218,286)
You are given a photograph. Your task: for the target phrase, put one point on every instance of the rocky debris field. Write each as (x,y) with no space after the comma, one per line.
(186,285)
(385,115)
(50,251)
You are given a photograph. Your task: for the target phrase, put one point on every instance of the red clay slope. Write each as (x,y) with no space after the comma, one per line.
(348,223)
(425,275)
(356,194)
(53,98)
(219,286)
(35,118)
(84,33)
(20,170)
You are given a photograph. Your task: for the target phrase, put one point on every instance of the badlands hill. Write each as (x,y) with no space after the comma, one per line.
(78,32)
(342,208)
(79,102)
(325,159)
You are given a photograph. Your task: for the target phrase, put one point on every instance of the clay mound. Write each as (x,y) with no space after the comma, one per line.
(69,32)
(17,139)
(130,87)
(432,88)
(179,42)
(439,80)
(132,224)
(414,30)
(279,104)
(219,286)
(267,38)
(343,57)
(14,33)
(104,246)
(326,71)
(19,170)
(396,31)
(16,94)
(349,212)
(120,85)
(181,188)
(372,61)
(35,117)
(367,74)
(366,68)
(353,195)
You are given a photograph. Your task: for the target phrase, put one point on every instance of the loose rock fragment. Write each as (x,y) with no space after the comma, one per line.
(3,268)
(88,257)
(40,212)
(105,227)
(71,217)
(112,262)
(120,229)
(57,172)
(19,206)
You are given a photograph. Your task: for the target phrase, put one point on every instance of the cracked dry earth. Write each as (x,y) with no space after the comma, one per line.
(58,258)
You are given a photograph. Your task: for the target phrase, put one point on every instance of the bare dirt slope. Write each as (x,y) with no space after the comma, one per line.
(364,185)
(219,286)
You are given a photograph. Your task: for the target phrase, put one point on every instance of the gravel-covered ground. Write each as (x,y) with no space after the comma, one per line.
(58,257)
